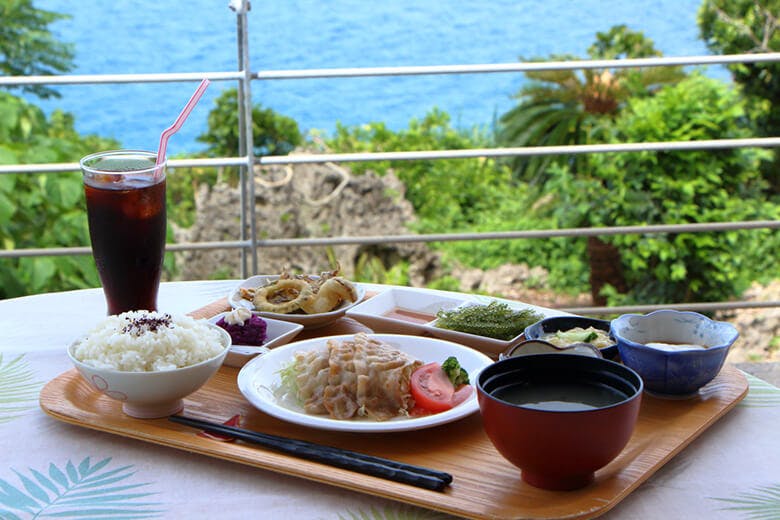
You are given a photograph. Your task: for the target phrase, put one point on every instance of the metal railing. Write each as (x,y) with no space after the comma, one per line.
(250,244)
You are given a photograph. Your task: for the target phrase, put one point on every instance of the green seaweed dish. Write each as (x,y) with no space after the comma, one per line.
(495,320)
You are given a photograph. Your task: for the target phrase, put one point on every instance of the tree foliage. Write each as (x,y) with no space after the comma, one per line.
(750,26)
(446,194)
(274,134)
(570,107)
(42,210)
(677,188)
(27,47)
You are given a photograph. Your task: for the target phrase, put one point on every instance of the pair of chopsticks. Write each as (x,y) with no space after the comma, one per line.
(367,464)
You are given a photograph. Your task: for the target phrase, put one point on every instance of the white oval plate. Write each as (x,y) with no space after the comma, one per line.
(260,377)
(309,321)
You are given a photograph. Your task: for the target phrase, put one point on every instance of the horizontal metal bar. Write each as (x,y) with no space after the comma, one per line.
(699,307)
(435,237)
(668,146)
(81,251)
(512,235)
(414,70)
(417,70)
(70,167)
(79,79)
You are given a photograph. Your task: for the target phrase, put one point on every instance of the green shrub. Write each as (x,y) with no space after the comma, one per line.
(675,188)
(42,210)
(273,134)
(446,194)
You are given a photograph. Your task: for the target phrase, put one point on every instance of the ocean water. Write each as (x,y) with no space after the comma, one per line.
(144,36)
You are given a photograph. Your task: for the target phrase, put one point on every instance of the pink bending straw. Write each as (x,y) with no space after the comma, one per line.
(185,112)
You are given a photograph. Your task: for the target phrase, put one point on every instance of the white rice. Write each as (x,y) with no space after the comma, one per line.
(143,341)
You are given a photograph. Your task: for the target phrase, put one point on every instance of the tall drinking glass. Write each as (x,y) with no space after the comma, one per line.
(125,195)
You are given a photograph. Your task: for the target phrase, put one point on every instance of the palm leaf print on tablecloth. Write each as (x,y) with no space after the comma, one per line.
(18,391)
(399,512)
(81,491)
(761,393)
(763,503)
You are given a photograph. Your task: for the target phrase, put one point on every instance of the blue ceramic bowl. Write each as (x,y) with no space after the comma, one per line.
(563,323)
(673,369)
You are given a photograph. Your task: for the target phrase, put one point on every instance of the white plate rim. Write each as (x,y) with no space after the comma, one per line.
(475,362)
(309,320)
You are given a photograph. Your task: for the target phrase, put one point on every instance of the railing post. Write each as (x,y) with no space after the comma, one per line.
(245,137)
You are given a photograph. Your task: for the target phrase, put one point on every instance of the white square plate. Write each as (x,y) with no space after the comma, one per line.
(277,333)
(374,312)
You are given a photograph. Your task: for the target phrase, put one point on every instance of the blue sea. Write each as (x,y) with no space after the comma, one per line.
(145,36)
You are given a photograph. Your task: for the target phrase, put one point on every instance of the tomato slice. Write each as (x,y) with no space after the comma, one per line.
(461,394)
(431,388)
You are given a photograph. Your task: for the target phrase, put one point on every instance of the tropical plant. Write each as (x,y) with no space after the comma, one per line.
(27,47)
(273,134)
(567,107)
(676,188)
(446,194)
(750,26)
(42,210)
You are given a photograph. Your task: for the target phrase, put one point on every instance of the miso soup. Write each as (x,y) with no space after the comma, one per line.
(560,396)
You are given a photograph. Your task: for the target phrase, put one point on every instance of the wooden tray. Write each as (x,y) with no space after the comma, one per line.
(485,485)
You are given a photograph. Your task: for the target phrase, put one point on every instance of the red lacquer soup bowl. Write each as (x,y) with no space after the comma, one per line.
(559,418)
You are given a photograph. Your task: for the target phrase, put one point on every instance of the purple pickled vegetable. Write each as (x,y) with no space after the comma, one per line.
(251,332)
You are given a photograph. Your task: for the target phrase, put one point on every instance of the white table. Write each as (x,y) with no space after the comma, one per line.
(736,459)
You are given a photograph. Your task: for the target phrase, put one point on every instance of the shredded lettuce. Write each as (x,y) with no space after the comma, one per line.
(288,382)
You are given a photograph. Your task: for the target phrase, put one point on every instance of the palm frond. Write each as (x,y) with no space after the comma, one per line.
(645,81)
(81,490)
(763,503)
(547,123)
(762,394)
(18,390)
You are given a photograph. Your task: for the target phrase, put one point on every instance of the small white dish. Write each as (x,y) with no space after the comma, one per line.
(309,321)
(277,333)
(374,312)
(490,346)
(259,379)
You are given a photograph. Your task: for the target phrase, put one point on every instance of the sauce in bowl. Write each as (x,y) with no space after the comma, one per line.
(398,313)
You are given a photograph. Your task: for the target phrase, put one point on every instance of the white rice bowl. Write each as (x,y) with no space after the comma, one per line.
(143,341)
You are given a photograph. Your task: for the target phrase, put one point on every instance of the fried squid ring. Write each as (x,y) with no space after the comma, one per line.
(282,296)
(330,295)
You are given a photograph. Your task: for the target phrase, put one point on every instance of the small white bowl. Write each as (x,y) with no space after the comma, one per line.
(150,395)
(309,321)
(277,333)
(374,312)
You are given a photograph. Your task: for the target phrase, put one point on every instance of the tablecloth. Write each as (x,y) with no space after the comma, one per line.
(49,467)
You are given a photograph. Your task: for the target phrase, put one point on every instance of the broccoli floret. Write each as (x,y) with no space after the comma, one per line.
(455,372)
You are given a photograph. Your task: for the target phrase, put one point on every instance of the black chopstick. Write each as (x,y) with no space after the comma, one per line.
(368,464)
